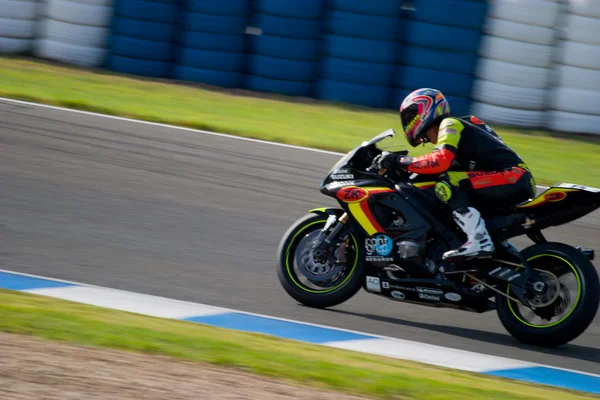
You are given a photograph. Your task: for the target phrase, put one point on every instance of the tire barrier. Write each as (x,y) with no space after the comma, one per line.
(281,58)
(74,32)
(576,85)
(17,25)
(513,75)
(142,37)
(210,45)
(439,50)
(533,63)
(359,49)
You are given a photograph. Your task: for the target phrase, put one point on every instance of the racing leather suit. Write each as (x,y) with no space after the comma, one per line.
(476,165)
(476,171)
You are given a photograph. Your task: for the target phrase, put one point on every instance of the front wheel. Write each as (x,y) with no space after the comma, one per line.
(309,276)
(568,311)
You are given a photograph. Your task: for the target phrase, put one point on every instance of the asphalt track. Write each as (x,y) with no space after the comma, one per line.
(198,217)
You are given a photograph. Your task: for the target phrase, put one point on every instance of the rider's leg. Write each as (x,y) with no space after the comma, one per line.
(454,189)
(494,189)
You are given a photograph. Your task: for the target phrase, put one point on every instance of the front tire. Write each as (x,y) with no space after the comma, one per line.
(575,309)
(298,285)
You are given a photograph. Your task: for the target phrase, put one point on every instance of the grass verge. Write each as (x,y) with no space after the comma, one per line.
(284,119)
(326,368)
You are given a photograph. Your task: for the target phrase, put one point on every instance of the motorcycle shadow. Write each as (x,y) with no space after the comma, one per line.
(572,351)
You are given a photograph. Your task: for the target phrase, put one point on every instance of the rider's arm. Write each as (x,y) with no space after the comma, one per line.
(441,158)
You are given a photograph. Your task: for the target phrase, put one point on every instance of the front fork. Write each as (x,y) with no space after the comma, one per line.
(326,241)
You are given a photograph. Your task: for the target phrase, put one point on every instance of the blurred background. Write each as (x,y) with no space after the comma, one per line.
(523,63)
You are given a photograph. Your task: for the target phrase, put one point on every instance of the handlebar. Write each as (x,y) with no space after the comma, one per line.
(383,171)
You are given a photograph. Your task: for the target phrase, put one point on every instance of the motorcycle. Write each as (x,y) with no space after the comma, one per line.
(390,232)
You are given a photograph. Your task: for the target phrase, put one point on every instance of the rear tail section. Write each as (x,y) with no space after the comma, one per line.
(561,204)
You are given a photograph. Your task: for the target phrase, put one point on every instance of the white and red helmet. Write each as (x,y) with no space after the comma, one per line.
(419,110)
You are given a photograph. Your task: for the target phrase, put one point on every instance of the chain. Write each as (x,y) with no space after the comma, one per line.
(495,290)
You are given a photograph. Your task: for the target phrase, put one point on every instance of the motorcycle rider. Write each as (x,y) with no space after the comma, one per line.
(471,161)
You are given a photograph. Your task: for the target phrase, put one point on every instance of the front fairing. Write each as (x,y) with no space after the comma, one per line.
(348,157)
(351,168)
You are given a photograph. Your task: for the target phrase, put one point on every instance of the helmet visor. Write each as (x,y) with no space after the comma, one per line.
(408,115)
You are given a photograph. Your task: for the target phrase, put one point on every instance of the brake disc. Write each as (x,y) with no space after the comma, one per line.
(313,262)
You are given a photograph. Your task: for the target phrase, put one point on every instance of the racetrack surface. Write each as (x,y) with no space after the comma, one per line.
(196,217)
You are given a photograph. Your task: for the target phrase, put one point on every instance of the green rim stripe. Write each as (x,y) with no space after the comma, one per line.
(289,272)
(568,314)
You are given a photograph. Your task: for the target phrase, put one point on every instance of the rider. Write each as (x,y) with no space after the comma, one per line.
(471,161)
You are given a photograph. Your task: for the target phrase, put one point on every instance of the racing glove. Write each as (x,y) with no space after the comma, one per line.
(393,160)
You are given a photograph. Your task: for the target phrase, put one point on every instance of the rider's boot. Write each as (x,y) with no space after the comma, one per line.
(479,243)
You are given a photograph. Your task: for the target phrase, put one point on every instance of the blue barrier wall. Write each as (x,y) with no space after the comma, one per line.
(536,55)
(440,43)
(367,53)
(370,53)
(358,52)
(282,58)
(142,37)
(210,46)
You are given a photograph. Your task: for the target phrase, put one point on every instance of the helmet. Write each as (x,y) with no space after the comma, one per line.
(419,110)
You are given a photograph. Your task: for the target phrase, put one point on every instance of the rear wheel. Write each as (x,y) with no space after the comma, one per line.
(569,306)
(308,275)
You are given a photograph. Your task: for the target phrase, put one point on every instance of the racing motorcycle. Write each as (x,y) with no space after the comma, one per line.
(390,232)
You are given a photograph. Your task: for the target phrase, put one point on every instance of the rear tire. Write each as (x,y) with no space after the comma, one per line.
(580,313)
(346,286)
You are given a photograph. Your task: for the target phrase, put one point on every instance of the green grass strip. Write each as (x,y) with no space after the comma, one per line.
(290,120)
(317,366)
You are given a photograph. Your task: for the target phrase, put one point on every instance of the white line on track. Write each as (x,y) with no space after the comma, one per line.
(350,345)
(224,135)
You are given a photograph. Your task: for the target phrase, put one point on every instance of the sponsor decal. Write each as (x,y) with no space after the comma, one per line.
(342,174)
(373,284)
(334,185)
(514,277)
(387,285)
(426,164)
(352,194)
(430,291)
(426,296)
(555,196)
(398,295)
(380,245)
(378,259)
(476,174)
(453,296)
